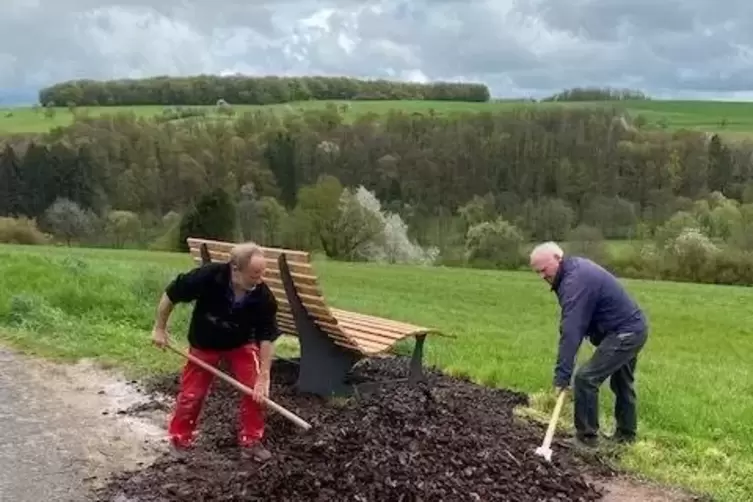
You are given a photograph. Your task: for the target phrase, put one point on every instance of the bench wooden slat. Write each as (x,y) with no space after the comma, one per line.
(371,335)
(370,352)
(296,268)
(285,314)
(372,318)
(364,342)
(319,311)
(283,309)
(337,335)
(370,347)
(281,321)
(325,323)
(311,301)
(299,268)
(372,332)
(308,280)
(287,330)
(375,322)
(286,324)
(330,329)
(302,289)
(312,311)
(356,328)
(292,255)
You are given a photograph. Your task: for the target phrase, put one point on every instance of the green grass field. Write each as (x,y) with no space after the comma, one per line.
(732,118)
(695,380)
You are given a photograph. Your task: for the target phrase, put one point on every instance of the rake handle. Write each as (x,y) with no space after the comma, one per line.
(553,421)
(243,388)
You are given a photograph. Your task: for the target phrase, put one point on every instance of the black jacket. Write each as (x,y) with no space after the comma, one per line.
(217,322)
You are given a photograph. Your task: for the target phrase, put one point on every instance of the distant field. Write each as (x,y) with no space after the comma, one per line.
(694,380)
(735,119)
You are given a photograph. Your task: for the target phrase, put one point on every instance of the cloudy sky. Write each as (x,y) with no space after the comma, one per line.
(670,48)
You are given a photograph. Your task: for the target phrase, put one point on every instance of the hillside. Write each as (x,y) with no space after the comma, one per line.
(731,118)
(694,431)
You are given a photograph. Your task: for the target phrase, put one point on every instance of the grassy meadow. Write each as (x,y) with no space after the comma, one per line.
(732,118)
(695,379)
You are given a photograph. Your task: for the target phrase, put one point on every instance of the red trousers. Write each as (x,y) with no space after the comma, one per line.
(194,387)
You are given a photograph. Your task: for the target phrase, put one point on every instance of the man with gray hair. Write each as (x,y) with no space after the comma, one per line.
(595,305)
(234,317)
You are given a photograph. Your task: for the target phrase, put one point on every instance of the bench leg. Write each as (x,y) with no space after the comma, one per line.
(323,366)
(415,372)
(416,363)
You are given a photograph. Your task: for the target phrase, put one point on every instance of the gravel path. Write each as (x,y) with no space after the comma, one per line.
(60,433)
(39,457)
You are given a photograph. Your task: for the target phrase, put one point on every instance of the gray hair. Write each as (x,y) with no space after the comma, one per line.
(550,247)
(241,254)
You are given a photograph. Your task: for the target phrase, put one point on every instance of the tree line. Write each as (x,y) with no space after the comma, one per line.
(598,94)
(466,189)
(244,90)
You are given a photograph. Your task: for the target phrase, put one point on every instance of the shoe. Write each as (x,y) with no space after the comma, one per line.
(583,443)
(179,447)
(620,439)
(255,451)
(178,452)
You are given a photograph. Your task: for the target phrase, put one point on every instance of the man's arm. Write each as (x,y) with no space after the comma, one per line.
(184,288)
(164,309)
(187,287)
(266,334)
(266,351)
(577,303)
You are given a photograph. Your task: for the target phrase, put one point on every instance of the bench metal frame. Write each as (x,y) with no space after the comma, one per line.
(324,365)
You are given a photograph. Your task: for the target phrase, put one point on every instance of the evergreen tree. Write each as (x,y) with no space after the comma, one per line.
(213,217)
(11,184)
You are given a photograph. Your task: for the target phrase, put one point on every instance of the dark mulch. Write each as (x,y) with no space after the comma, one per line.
(452,440)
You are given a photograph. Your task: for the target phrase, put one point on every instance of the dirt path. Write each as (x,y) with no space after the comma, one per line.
(628,490)
(61,433)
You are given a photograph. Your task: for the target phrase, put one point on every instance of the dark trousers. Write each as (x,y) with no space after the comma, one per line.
(615,357)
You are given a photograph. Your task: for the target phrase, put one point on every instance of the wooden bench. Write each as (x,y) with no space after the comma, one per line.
(332,340)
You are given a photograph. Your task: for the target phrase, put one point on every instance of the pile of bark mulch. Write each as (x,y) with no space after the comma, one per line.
(451,440)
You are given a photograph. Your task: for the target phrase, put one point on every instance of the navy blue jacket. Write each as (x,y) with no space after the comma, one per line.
(218,322)
(594,304)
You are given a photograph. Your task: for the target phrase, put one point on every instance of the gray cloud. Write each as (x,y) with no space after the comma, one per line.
(533,47)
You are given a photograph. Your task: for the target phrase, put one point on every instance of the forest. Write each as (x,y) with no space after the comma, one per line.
(244,90)
(461,189)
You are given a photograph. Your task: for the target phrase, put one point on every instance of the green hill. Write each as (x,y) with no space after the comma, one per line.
(731,118)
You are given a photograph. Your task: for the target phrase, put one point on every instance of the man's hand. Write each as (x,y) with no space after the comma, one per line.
(558,389)
(261,388)
(160,337)
(560,385)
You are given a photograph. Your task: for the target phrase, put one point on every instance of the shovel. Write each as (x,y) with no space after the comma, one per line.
(243,388)
(545,449)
